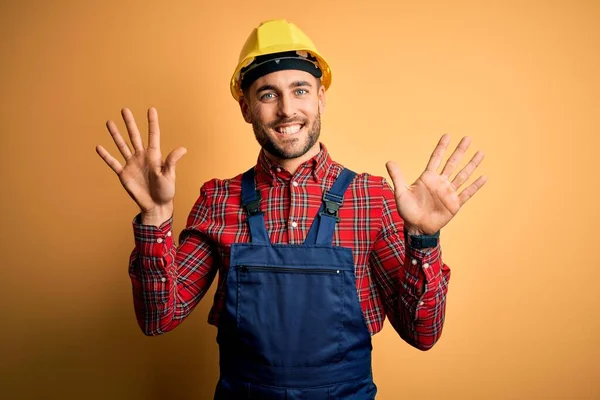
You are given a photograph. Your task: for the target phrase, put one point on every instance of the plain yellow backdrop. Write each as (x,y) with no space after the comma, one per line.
(520,77)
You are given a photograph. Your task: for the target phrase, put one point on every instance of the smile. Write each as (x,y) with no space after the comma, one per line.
(289,130)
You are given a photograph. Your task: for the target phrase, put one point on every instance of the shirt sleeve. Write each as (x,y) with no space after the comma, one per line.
(413,283)
(168,281)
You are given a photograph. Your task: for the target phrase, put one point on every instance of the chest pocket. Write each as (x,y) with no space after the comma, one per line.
(290,316)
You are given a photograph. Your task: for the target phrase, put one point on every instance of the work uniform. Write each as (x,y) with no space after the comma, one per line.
(290,322)
(292,327)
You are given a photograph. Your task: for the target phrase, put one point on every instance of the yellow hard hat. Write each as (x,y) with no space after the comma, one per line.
(276,36)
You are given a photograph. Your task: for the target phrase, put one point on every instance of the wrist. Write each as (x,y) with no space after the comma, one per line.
(413,230)
(157,216)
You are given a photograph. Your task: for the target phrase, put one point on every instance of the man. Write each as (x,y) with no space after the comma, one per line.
(311,256)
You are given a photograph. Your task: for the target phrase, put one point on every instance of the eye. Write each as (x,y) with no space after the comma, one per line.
(267,96)
(300,92)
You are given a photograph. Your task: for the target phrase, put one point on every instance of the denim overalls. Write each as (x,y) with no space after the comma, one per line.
(292,327)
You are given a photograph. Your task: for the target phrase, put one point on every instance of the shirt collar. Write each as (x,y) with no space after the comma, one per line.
(315,168)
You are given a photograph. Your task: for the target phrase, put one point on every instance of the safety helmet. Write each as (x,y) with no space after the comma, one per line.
(276,36)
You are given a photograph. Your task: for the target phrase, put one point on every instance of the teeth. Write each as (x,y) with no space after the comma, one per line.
(289,130)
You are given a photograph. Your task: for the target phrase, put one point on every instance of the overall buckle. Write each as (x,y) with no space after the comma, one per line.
(331,209)
(253,208)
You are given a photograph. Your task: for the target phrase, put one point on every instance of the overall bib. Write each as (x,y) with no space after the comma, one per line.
(292,326)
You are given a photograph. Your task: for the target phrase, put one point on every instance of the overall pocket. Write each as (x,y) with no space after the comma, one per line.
(290,316)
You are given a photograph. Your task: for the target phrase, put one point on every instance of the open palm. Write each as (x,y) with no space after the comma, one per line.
(433,199)
(147,179)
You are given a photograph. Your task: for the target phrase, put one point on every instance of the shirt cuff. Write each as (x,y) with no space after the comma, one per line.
(152,241)
(426,260)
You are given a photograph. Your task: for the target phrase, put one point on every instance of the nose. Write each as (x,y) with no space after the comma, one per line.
(286,107)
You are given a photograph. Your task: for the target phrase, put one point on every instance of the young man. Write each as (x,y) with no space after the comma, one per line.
(311,256)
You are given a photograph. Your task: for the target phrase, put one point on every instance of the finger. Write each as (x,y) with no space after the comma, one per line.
(118,139)
(467,171)
(471,190)
(153,129)
(110,160)
(134,133)
(397,178)
(436,157)
(173,157)
(456,156)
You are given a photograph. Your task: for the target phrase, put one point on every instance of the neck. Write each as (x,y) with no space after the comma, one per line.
(291,165)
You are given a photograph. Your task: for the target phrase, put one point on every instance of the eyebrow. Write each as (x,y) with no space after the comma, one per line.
(292,85)
(300,83)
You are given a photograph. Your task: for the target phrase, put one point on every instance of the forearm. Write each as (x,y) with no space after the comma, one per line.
(422,297)
(151,270)
(161,300)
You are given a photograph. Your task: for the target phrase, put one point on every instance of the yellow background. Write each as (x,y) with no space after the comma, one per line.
(521,78)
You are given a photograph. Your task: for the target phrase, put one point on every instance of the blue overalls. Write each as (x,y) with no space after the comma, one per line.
(292,327)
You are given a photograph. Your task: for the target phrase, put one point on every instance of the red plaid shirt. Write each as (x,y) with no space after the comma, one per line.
(169,281)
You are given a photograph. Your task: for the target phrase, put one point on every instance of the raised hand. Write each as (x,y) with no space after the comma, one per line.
(149,181)
(433,200)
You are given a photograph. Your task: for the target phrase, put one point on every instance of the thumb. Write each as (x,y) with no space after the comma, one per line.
(397,178)
(173,157)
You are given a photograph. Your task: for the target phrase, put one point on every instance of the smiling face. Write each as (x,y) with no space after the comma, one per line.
(284,108)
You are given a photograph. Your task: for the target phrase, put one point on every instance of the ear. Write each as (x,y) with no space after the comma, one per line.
(321,97)
(245,109)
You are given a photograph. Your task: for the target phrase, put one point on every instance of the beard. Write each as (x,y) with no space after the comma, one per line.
(262,137)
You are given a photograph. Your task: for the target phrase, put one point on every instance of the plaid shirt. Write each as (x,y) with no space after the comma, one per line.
(168,281)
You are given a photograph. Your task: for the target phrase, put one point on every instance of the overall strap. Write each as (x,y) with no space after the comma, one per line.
(251,202)
(321,231)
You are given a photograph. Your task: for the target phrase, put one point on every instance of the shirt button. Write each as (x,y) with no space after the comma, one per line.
(169,233)
(294,224)
(421,303)
(414,262)
(278,169)
(425,265)
(159,240)
(163,279)
(295,184)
